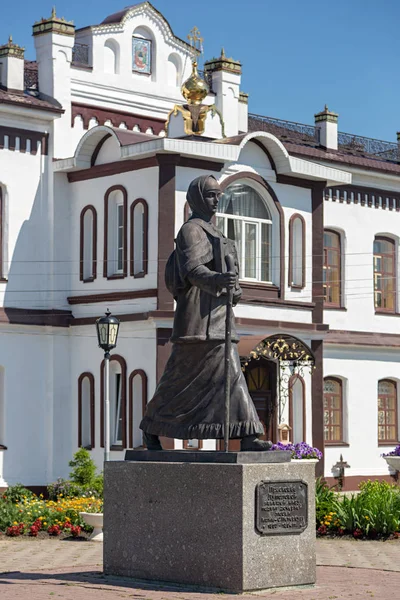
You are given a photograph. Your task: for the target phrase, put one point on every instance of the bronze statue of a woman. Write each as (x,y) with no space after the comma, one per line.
(189,400)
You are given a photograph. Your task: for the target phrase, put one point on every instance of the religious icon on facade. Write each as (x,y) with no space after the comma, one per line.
(141,55)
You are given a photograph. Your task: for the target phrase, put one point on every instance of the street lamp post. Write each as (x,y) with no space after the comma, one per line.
(107,334)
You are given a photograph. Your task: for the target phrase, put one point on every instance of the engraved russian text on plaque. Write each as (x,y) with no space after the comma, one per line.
(281,507)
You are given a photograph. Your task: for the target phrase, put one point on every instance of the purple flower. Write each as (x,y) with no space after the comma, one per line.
(395,452)
(300,450)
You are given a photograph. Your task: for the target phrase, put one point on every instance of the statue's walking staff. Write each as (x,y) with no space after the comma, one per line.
(230,264)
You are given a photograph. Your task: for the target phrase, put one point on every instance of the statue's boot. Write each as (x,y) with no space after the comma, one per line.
(251,443)
(152,441)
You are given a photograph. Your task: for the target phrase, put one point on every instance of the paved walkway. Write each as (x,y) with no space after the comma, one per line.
(71,570)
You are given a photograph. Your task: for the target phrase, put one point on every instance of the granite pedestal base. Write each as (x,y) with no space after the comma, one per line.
(211,525)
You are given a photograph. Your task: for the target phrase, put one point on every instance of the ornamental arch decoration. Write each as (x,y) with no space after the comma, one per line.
(293,358)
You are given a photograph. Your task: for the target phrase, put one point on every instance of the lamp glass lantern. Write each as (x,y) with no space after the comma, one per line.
(107,331)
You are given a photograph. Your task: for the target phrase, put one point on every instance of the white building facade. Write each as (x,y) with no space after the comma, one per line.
(107,147)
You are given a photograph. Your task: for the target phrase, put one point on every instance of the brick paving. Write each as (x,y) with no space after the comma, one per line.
(71,570)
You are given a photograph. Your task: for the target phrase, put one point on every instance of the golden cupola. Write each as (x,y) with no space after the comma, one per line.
(195,89)
(195,118)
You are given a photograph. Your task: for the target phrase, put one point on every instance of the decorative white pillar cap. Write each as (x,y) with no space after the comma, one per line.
(326,115)
(12,50)
(54,24)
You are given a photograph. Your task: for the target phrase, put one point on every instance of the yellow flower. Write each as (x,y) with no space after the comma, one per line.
(15,523)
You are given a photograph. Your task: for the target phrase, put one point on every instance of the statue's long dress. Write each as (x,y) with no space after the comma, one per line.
(189,400)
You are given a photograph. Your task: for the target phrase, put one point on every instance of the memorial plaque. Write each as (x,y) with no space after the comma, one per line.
(281,507)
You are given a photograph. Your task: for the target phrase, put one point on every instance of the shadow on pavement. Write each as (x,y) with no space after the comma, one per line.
(97,577)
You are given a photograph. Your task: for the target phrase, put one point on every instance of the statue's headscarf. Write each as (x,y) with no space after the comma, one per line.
(195,197)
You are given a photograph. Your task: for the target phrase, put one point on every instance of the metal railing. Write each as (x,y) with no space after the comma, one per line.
(378,148)
(346,141)
(31,78)
(80,54)
(300,128)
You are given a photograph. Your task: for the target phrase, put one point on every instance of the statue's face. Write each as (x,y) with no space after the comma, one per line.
(212,193)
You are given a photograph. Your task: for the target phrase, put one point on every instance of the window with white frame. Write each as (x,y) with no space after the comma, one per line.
(116,417)
(88,253)
(297,251)
(243,216)
(116,233)
(86,411)
(137,406)
(297,410)
(139,237)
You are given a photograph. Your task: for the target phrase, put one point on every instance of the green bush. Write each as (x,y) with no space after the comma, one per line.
(84,480)
(64,488)
(83,468)
(324,500)
(9,513)
(17,493)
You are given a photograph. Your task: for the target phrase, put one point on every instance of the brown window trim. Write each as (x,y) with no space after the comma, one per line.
(243,175)
(338,444)
(143,202)
(331,307)
(303,251)
(392,442)
(341,440)
(143,376)
(389,443)
(82,245)
(92,409)
(303,385)
(125,257)
(388,311)
(122,362)
(334,305)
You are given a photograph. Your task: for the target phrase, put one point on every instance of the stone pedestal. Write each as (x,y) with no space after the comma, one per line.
(234,527)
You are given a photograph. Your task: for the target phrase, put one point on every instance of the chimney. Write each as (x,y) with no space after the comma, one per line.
(225,74)
(326,123)
(12,67)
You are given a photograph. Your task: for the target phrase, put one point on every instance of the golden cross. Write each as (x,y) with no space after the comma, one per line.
(196,41)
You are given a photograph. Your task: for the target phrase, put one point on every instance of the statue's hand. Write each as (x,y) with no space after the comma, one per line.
(226,280)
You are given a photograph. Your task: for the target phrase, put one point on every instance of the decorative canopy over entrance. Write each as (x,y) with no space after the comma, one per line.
(292,357)
(283,347)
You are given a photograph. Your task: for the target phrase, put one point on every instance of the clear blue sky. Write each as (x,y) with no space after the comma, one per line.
(297,55)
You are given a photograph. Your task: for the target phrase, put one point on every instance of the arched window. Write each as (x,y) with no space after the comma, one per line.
(332,269)
(86,437)
(139,237)
(244,217)
(137,406)
(115,232)
(117,402)
(297,409)
(333,410)
(2,411)
(111,57)
(88,244)
(297,251)
(387,412)
(384,275)
(173,70)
